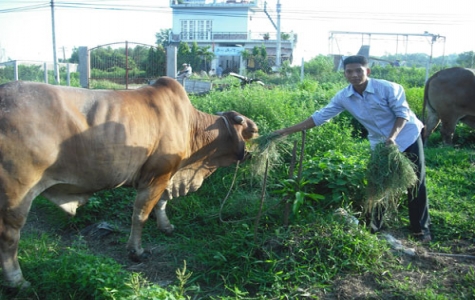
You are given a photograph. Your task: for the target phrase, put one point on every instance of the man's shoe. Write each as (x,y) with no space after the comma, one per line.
(374,226)
(423,237)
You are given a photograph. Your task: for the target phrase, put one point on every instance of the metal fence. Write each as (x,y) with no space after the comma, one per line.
(36,71)
(126,63)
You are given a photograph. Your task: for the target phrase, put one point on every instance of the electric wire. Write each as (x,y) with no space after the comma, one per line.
(289,14)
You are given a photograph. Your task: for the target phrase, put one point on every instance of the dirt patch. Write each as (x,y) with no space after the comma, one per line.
(110,243)
(418,272)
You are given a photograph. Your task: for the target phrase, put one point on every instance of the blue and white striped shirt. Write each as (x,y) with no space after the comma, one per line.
(382,102)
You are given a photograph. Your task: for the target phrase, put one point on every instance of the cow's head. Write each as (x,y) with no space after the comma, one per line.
(241,128)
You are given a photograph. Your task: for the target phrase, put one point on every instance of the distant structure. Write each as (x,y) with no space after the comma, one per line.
(336,37)
(229,27)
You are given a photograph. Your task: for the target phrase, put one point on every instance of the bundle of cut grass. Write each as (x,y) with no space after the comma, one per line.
(264,149)
(389,174)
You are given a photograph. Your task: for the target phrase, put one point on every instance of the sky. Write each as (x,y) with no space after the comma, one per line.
(26,25)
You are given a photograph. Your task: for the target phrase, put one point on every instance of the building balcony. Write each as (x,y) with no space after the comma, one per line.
(234,37)
(216,3)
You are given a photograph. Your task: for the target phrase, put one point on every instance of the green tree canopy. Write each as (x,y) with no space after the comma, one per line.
(466,59)
(162,37)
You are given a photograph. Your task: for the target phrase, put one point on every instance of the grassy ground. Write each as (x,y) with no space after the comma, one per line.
(298,248)
(318,257)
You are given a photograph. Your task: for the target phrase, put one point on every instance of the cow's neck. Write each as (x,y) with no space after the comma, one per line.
(205,130)
(226,122)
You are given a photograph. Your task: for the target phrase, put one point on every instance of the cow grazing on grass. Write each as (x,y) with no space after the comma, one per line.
(449,97)
(67,143)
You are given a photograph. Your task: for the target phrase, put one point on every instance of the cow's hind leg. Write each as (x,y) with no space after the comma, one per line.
(431,123)
(447,130)
(12,220)
(162,219)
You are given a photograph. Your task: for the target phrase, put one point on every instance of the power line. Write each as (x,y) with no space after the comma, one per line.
(24,8)
(289,14)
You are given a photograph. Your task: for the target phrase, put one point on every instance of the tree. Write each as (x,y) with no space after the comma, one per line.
(156,62)
(206,56)
(163,37)
(466,59)
(320,67)
(74,56)
(197,57)
(194,58)
(184,53)
(257,59)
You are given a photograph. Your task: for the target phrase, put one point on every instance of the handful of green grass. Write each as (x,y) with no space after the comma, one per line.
(264,150)
(389,174)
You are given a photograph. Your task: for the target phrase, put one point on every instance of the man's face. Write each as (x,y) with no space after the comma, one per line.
(356,74)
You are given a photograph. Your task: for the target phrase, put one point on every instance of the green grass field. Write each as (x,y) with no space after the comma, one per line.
(297,248)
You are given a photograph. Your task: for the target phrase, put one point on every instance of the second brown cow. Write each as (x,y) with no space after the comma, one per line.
(449,97)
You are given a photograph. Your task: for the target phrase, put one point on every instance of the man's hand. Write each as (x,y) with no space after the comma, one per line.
(390,141)
(276,134)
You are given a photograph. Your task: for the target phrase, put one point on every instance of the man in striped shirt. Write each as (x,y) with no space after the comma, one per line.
(381,107)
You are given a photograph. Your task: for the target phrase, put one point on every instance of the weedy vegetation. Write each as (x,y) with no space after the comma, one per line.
(275,240)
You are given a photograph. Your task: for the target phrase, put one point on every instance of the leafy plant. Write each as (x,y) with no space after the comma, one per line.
(341,178)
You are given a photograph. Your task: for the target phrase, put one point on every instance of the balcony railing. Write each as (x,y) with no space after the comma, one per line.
(229,36)
(220,3)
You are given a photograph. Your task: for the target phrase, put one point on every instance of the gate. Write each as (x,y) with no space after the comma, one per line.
(126,64)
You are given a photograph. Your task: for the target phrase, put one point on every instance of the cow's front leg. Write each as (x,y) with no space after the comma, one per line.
(146,200)
(162,220)
(11,222)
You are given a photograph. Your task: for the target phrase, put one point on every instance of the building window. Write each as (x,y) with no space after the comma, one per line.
(196,30)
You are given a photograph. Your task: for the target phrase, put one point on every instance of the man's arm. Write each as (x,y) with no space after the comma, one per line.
(398,126)
(304,125)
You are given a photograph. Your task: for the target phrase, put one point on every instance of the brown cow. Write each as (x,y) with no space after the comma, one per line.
(67,143)
(449,96)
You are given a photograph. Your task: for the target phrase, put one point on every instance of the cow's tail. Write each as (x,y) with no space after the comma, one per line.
(424,104)
(426,99)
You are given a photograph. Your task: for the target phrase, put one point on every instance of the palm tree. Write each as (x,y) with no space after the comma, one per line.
(207,55)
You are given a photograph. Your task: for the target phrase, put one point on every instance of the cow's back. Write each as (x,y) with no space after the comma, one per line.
(452,88)
(449,97)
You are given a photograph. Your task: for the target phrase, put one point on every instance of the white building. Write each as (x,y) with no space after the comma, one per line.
(229,27)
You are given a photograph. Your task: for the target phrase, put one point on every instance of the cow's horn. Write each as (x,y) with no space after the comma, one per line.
(239,119)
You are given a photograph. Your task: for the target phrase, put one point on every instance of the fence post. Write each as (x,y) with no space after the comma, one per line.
(68,74)
(15,69)
(171,61)
(45,73)
(84,67)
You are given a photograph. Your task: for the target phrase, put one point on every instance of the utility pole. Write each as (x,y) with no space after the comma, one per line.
(277,27)
(64,54)
(434,39)
(55,62)
(278,50)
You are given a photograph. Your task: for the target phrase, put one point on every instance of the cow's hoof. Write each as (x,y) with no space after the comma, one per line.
(13,289)
(168,231)
(133,256)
